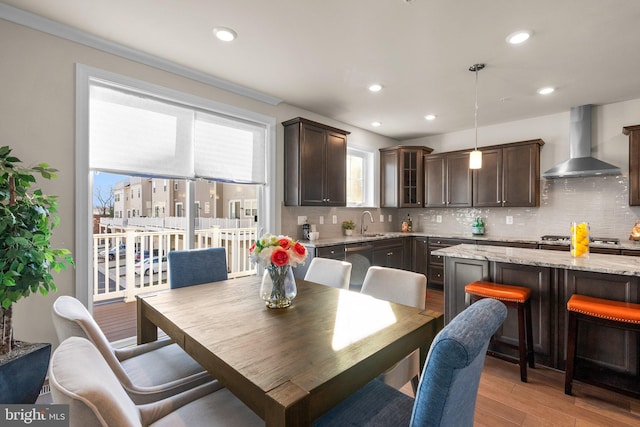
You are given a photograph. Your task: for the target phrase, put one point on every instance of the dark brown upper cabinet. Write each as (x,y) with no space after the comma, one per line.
(509,177)
(315,159)
(448,180)
(634,163)
(402,176)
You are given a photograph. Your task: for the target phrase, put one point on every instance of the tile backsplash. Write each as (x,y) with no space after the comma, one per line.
(602,201)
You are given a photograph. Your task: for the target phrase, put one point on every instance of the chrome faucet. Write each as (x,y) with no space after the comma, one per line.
(363,229)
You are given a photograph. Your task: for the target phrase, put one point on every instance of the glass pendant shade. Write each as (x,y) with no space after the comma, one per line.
(475,159)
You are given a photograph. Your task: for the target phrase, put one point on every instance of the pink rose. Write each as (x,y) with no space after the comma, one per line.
(279,257)
(300,250)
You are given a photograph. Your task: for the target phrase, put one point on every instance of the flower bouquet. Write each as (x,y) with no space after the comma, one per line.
(278,254)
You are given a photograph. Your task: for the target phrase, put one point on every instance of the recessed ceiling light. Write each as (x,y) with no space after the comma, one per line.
(546,90)
(430,117)
(376,124)
(518,37)
(225,34)
(376,87)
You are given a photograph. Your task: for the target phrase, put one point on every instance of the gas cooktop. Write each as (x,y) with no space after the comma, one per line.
(562,239)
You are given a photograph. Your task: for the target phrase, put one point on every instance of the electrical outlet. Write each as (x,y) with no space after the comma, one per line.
(509,219)
(381,218)
(321,220)
(334,219)
(390,218)
(438,219)
(302,219)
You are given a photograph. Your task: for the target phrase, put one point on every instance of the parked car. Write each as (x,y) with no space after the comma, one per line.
(146,254)
(122,250)
(144,267)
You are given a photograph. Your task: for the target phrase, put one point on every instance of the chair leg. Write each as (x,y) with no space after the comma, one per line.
(521,343)
(572,332)
(530,351)
(414,385)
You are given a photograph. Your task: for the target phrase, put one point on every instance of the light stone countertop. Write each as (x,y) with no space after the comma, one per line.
(345,240)
(599,263)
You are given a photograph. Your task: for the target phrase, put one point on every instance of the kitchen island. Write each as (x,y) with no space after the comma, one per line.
(553,277)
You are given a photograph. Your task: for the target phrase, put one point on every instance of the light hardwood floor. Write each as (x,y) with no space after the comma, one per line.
(503,400)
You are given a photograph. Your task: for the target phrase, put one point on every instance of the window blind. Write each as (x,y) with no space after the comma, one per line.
(138,134)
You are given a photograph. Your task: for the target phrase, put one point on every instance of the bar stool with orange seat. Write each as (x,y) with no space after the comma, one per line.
(515,296)
(615,314)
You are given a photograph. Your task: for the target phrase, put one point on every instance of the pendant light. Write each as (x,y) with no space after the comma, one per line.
(475,157)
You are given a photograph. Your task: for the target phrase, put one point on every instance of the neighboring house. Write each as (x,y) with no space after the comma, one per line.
(159,198)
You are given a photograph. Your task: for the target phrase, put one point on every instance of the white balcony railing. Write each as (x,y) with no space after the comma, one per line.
(119,270)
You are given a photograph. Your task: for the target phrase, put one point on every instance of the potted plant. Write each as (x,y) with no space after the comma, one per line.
(348,226)
(27,261)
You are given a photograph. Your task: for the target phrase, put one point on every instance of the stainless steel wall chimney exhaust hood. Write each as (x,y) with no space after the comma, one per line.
(581,163)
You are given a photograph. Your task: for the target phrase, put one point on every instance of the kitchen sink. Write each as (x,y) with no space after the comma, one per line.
(373,235)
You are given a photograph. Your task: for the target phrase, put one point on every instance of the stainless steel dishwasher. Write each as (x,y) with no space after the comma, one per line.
(360,255)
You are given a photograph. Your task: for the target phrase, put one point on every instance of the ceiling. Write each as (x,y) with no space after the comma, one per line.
(322,55)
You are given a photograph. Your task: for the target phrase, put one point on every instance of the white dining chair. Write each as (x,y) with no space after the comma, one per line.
(402,287)
(148,372)
(329,272)
(80,378)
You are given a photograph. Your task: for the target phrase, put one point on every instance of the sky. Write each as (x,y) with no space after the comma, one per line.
(104,181)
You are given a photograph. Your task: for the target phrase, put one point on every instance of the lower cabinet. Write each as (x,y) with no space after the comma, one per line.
(393,253)
(435,263)
(461,272)
(420,255)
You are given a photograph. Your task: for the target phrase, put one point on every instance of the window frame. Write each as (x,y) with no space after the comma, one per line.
(84,181)
(368,181)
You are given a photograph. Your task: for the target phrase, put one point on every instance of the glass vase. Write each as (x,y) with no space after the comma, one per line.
(580,239)
(278,287)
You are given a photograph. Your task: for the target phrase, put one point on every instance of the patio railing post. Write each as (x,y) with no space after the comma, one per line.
(130,272)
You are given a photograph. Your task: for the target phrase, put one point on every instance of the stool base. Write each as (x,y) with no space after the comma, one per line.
(589,373)
(525,329)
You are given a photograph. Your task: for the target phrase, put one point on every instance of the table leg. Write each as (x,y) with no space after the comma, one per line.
(287,405)
(147,331)
(436,326)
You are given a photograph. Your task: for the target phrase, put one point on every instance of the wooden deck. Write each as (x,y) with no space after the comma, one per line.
(116,319)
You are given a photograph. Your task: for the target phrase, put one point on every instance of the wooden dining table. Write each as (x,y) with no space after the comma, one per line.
(288,365)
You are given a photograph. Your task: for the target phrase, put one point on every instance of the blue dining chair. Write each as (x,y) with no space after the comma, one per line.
(448,385)
(197,266)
